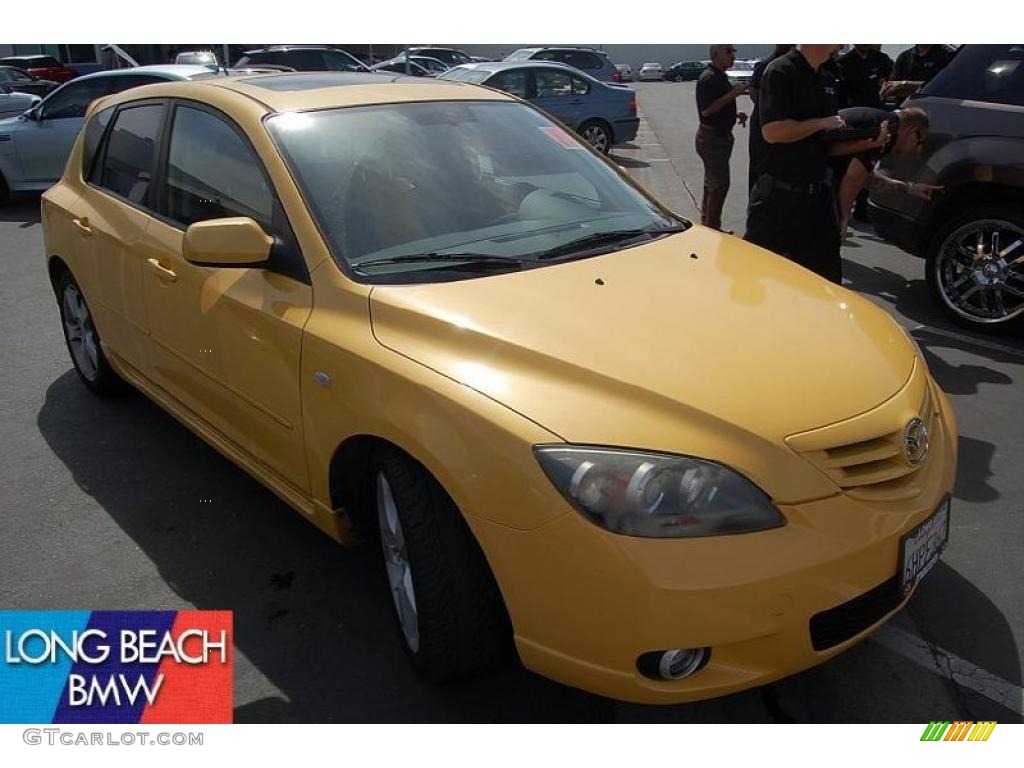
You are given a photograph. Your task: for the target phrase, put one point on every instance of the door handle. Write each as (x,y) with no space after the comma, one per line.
(162,272)
(83,225)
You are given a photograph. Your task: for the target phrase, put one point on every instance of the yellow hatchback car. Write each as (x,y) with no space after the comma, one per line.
(668,464)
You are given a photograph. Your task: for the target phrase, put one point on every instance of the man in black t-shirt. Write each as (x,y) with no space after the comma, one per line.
(915,67)
(864,70)
(757,146)
(716,105)
(793,205)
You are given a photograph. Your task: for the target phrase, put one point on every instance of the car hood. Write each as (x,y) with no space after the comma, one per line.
(696,330)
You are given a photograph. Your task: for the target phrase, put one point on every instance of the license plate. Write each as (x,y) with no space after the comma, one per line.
(920,548)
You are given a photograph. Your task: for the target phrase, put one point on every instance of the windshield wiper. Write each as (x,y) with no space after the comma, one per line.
(597,239)
(448,261)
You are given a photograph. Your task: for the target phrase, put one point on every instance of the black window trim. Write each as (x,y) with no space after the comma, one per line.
(101,146)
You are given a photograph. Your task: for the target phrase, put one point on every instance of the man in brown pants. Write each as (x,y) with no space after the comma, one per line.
(716,105)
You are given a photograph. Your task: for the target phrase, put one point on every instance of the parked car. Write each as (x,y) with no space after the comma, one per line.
(450,56)
(303,58)
(652,70)
(34,146)
(432,65)
(399,65)
(972,234)
(602,113)
(41,66)
(205,58)
(21,81)
(625,73)
(740,72)
(684,70)
(588,60)
(13,103)
(427,317)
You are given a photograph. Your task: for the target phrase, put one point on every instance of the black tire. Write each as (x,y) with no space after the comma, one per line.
(943,272)
(598,134)
(461,625)
(98,376)
(5,192)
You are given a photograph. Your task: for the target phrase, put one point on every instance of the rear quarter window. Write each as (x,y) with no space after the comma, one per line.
(94,130)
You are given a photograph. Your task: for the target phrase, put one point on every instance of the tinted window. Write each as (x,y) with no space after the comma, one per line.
(93,135)
(582,60)
(5,76)
(212,173)
(128,162)
(340,62)
(308,61)
(551,82)
(514,82)
(993,73)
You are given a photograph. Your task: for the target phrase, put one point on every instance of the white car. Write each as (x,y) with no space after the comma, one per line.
(652,70)
(740,72)
(625,72)
(13,103)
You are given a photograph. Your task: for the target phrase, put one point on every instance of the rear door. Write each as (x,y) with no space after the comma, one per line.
(560,94)
(226,341)
(112,217)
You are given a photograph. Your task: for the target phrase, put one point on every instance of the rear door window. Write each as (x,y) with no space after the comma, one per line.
(515,82)
(131,153)
(94,131)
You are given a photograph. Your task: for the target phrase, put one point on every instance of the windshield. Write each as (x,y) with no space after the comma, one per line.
(467,74)
(492,179)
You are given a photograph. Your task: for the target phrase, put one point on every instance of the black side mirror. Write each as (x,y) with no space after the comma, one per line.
(35,113)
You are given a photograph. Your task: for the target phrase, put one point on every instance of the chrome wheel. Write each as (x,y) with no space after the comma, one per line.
(597,137)
(396,561)
(80,332)
(979,271)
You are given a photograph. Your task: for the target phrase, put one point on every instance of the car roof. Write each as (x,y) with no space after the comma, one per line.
(170,71)
(28,57)
(293,91)
(499,66)
(280,48)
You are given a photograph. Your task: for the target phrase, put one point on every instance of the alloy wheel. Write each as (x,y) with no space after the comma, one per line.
(396,561)
(597,137)
(980,271)
(81,333)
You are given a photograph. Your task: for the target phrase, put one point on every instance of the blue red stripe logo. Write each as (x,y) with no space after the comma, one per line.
(116,667)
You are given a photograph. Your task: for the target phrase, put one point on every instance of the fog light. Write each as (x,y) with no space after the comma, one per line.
(674,664)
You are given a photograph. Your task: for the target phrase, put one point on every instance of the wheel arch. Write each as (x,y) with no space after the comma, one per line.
(969,193)
(56,266)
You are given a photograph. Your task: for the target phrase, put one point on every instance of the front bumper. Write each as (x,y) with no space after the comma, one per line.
(586,603)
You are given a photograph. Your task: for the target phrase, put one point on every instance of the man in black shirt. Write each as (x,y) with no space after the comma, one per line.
(915,67)
(864,70)
(793,206)
(756,144)
(716,105)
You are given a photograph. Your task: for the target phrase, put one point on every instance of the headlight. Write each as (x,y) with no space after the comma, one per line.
(657,495)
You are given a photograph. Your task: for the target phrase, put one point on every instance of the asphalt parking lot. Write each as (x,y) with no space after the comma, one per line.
(102,507)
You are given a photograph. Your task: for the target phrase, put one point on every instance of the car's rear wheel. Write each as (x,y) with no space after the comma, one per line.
(83,340)
(975,267)
(598,135)
(450,613)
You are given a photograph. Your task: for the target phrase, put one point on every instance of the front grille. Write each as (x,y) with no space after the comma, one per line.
(837,625)
(875,467)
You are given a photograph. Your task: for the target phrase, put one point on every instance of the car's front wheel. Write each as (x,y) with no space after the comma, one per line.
(975,267)
(598,135)
(450,614)
(83,340)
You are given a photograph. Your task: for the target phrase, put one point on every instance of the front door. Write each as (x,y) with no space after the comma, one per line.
(226,342)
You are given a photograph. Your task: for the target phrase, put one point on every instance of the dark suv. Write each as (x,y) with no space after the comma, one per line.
(972,234)
(594,63)
(303,58)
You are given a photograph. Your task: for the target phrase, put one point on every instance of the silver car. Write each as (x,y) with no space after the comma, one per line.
(34,146)
(15,103)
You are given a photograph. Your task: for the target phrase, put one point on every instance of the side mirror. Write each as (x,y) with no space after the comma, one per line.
(35,113)
(234,242)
